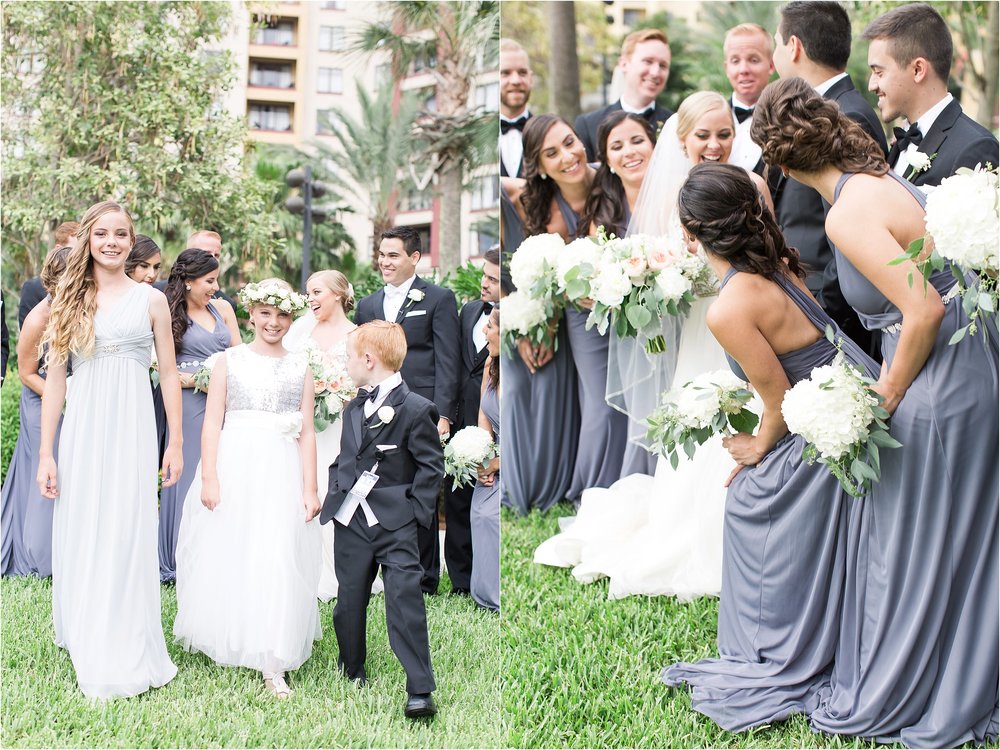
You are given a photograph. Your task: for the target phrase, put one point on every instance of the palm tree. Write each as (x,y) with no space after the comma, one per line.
(372,150)
(460,40)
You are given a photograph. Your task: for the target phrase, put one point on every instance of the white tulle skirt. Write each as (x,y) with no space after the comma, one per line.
(248,572)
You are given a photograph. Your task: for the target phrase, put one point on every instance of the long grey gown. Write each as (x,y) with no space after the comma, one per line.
(917,660)
(26,516)
(485,521)
(196,345)
(541,415)
(784,543)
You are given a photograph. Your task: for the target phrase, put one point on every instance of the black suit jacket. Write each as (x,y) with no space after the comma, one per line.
(801,211)
(954,140)
(586,125)
(473,363)
(409,475)
(431,367)
(31,294)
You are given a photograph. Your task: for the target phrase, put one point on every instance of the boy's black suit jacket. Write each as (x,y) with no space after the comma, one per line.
(409,475)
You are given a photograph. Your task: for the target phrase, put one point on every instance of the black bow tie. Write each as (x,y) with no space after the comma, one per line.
(517,124)
(905,137)
(487,308)
(370,395)
(742,113)
(649,115)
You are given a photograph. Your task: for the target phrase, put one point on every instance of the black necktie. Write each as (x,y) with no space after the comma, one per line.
(742,113)
(517,124)
(905,137)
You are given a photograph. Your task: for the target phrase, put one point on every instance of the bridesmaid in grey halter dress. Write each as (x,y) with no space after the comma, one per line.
(917,659)
(193,281)
(785,522)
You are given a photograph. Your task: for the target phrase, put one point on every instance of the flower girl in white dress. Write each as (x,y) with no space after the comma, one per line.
(248,553)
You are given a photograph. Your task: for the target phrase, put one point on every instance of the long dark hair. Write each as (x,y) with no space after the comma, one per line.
(538,193)
(606,205)
(720,206)
(143,249)
(191,264)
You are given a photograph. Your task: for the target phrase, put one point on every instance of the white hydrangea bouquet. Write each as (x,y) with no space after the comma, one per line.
(712,403)
(633,282)
(468,450)
(963,222)
(840,416)
(528,311)
(332,385)
(203,375)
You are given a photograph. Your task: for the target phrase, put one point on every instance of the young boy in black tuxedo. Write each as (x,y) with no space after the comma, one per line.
(382,486)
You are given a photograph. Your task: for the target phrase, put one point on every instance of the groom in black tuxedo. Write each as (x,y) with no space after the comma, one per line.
(910,58)
(390,433)
(429,317)
(813,42)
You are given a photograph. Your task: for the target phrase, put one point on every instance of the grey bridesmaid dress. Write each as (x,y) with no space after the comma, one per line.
(917,661)
(784,540)
(485,521)
(196,345)
(26,516)
(541,415)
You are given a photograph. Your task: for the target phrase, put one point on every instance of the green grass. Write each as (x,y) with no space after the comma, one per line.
(211,706)
(582,671)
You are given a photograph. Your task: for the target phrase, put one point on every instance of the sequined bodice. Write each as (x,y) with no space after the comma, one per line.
(258,383)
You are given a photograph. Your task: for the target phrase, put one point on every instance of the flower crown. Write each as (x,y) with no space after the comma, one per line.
(271,294)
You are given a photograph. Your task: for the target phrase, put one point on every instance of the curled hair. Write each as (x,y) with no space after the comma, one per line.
(798,129)
(606,204)
(54,267)
(71,320)
(538,193)
(143,249)
(721,207)
(191,264)
(337,283)
(385,340)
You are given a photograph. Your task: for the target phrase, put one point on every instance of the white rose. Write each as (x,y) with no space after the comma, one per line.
(610,286)
(290,424)
(672,284)
(520,314)
(416,295)
(536,258)
(579,252)
(920,161)
(385,414)
(963,219)
(333,403)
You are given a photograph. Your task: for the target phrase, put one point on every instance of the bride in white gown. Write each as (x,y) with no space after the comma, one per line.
(326,327)
(662,534)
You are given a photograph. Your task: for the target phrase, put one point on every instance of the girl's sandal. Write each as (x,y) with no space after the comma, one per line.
(278,686)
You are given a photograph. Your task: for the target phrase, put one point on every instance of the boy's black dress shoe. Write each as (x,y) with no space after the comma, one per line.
(419,705)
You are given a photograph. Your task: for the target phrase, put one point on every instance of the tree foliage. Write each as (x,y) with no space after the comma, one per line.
(123,101)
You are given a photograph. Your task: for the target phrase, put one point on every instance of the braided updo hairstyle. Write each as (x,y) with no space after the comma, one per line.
(190,264)
(720,207)
(798,129)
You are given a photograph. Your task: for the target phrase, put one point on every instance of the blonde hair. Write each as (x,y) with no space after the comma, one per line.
(71,321)
(382,339)
(750,29)
(636,38)
(337,283)
(66,230)
(696,105)
(203,233)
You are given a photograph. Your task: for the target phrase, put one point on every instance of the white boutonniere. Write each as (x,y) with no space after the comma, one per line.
(385,415)
(415,295)
(920,162)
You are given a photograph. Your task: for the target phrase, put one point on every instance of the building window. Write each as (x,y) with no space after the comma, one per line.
(416,200)
(334,5)
(276,32)
(488,97)
(480,242)
(331,81)
(275,75)
(633,16)
(325,120)
(426,59)
(485,192)
(332,39)
(271,117)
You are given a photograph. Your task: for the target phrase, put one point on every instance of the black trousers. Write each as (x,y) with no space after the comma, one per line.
(429,547)
(358,552)
(458,534)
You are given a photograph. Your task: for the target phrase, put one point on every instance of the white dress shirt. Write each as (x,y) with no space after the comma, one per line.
(511,147)
(924,125)
(745,152)
(384,389)
(828,84)
(478,334)
(395,298)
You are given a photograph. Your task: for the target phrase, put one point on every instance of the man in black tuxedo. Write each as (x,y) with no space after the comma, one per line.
(645,64)
(390,435)
(516,80)
(429,317)
(813,42)
(910,58)
(747,49)
(458,502)
(32,292)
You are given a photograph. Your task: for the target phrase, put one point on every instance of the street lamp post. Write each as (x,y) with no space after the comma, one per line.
(302,204)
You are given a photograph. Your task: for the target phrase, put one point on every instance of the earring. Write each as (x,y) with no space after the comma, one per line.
(544,176)
(187,287)
(611,170)
(685,150)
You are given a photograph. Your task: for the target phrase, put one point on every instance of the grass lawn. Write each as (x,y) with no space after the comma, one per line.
(582,671)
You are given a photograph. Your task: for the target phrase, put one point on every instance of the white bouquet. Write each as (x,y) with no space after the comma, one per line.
(533,265)
(963,221)
(534,271)
(203,375)
(470,449)
(523,316)
(712,403)
(839,415)
(332,385)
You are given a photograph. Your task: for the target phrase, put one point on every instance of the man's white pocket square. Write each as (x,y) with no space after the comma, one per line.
(384,448)
(415,312)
